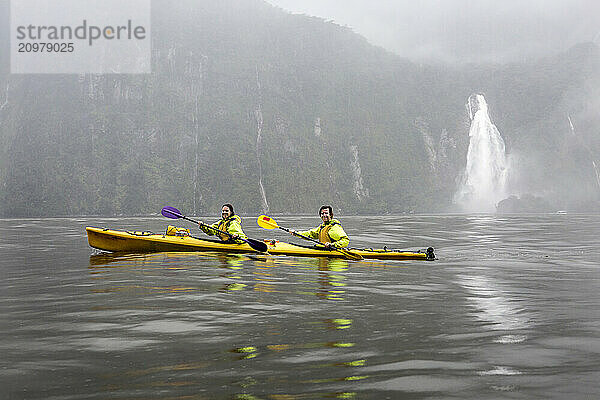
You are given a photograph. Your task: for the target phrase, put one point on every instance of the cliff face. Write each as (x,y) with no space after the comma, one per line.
(249,105)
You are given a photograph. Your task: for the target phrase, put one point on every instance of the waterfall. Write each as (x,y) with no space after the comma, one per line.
(259,124)
(571,125)
(597,173)
(318,127)
(196,156)
(359,190)
(484,180)
(6,98)
(422,127)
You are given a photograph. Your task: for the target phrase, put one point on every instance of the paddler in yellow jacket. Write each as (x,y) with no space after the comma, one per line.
(330,232)
(229,223)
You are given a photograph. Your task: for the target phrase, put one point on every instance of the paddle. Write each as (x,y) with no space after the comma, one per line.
(269,223)
(173,213)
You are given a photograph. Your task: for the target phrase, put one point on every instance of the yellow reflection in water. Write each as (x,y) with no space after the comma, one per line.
(253,351)
(331,284)
(246,352)
(232,261)
(279,347)
(345,378)
(233,287)
(232,264)
(340,344)
(264,288)
(264,276)
(339,323)
(356,363)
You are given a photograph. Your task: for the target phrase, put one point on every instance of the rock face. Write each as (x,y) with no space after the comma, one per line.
(247,104)
(527,203)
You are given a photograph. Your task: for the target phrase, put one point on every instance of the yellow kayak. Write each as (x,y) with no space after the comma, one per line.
(144,242)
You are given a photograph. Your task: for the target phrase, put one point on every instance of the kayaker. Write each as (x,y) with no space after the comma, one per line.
(230,223)
(330,232)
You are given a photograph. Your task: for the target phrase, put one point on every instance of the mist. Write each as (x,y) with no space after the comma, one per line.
(462,31)
(293,111)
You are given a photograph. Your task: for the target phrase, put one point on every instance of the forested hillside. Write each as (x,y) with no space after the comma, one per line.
(250,105)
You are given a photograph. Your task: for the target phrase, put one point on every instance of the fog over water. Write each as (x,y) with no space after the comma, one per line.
(460,31)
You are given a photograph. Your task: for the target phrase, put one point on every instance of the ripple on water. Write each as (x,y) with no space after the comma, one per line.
(112,343)
(510,339)
(174,326)
(43,365)
(312,356)
(581,343)
(421,364)
(500,370)
(420,383)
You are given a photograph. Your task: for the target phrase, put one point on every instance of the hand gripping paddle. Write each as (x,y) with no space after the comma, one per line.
(173,213)
(267,222)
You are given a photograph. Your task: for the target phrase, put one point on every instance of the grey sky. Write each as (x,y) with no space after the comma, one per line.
(463,30)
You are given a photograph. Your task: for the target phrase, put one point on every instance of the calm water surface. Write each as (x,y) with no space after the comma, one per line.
(510,310)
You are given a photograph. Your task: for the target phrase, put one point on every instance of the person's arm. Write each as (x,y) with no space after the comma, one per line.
(313,233)
(235,228)
(207,230)
(338,236)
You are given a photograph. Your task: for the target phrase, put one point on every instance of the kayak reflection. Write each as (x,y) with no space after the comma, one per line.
(231,264)
(331,281)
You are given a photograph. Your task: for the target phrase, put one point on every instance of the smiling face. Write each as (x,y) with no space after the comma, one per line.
(225,212)
(325,216)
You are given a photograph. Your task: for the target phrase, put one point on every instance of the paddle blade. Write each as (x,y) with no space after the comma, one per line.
(257,245)
(350,255)
(171,212)
(267,222)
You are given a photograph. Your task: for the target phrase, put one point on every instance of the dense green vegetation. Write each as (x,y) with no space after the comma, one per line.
(186,135)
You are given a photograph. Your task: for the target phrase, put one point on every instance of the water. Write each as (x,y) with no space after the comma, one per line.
(509,311)
(484,180)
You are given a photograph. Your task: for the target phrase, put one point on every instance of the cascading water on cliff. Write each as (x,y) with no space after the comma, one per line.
(484,179)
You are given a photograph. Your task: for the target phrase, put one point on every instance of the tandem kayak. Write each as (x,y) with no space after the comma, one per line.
(146,242)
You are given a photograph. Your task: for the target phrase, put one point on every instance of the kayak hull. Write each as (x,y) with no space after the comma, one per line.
(146,242)
(288,249)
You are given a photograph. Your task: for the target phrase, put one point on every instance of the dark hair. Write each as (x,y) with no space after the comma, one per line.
(326,207)
(230,208)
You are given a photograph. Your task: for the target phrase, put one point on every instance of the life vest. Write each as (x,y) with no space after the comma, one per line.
(324,232)
(224,226)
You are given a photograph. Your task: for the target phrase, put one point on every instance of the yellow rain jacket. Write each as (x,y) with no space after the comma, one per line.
(232,225)
(332,232)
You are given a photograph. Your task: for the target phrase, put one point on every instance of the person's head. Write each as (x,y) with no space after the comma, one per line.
(227,210)
(326,213)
